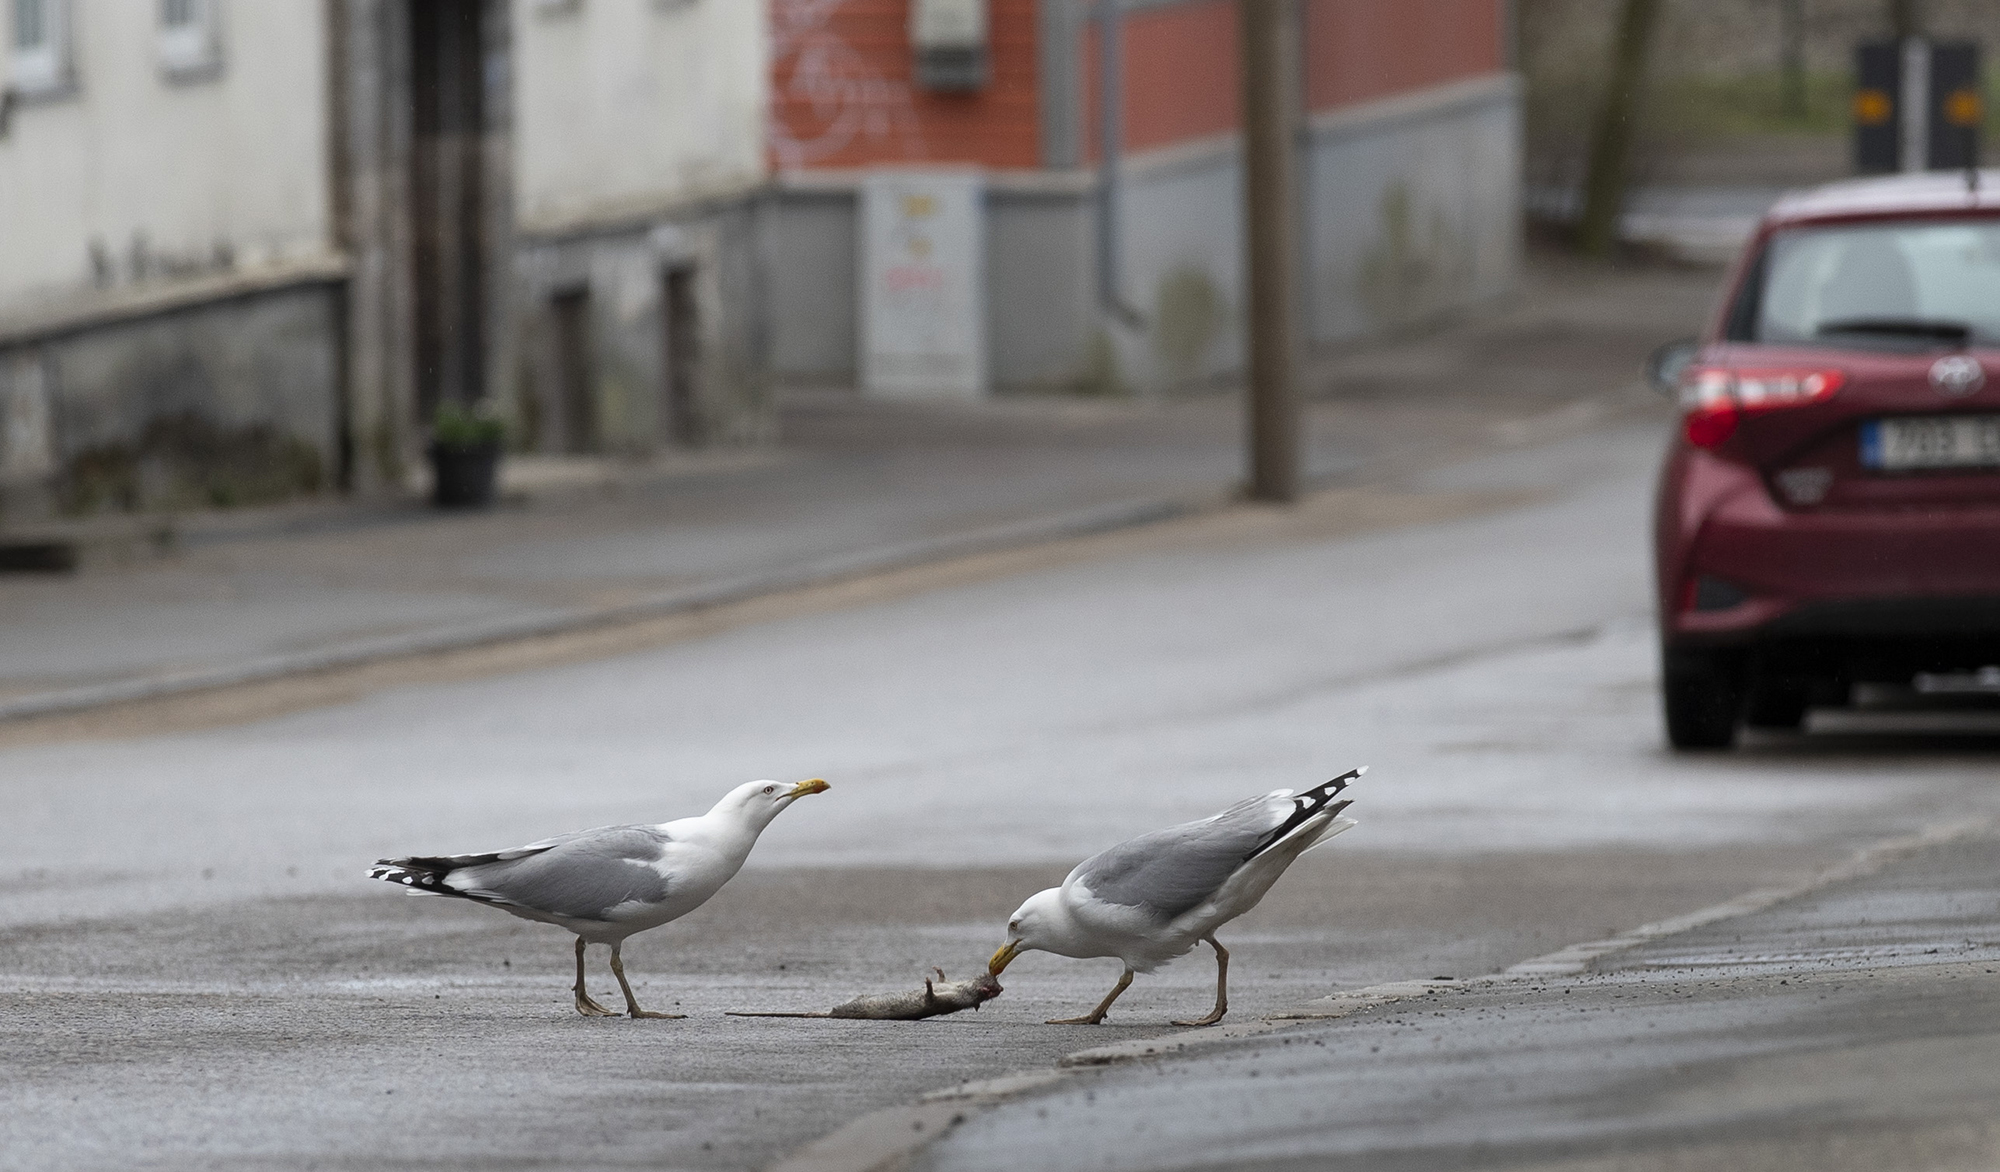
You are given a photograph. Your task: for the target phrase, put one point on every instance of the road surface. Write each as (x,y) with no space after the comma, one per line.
(194,971)
(1851,1029)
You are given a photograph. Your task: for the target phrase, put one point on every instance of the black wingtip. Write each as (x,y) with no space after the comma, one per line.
(1317,801)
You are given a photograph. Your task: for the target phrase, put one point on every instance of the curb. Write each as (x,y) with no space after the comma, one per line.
(889,1139)
(739,588)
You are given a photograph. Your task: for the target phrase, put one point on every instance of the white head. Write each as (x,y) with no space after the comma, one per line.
(1040,923)
(757,802)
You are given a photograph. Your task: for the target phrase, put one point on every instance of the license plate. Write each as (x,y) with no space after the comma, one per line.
(1933,441)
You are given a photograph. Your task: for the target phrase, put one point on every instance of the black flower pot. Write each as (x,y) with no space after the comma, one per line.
(464,477)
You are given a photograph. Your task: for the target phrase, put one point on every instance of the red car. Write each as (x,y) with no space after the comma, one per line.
(1829,512)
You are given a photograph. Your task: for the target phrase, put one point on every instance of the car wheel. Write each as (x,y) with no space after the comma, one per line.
(1778,702)
(1702,692)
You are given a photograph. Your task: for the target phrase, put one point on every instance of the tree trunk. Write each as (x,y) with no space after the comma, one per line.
(1611,140)
(1792,57)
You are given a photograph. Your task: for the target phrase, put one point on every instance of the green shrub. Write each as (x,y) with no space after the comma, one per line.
(455,426)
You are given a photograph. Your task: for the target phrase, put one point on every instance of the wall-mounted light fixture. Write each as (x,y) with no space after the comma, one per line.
(948,38)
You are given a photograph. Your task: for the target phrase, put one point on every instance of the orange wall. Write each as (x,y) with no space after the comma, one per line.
(1180,60)
(842,92)
(1180,75)
(1362,49)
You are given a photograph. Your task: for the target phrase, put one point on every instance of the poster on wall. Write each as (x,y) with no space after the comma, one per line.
(923,285)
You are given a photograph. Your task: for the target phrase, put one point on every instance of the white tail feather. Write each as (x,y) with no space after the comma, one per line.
(1332,828)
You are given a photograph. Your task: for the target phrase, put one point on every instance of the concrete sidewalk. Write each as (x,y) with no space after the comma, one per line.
(855,487)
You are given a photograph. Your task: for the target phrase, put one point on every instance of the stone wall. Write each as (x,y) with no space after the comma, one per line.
(230,401)
(620,283)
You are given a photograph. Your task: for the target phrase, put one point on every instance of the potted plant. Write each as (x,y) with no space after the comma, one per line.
(465,457)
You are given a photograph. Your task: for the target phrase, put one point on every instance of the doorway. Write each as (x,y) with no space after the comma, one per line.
(576,390)
(448,201)
(682,367)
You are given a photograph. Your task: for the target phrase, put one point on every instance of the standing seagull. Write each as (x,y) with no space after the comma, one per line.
(609,883)
(1151,898)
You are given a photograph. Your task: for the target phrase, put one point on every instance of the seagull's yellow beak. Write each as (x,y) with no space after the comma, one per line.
(1004,957)
(811,785)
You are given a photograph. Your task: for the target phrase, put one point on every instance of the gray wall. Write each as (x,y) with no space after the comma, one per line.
(1039,289)
(230,401)
(1412,213)
(810,258)
(624,270)
(1410,207)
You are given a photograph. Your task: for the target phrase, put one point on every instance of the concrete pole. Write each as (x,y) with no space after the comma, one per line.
(1269,35)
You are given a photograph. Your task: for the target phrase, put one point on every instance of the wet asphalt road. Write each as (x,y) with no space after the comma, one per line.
(194,974)
(1852,1029)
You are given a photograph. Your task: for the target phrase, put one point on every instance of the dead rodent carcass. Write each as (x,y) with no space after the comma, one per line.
(936,998)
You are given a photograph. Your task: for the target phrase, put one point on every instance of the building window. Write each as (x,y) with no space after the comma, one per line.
(190,39)
(38,49)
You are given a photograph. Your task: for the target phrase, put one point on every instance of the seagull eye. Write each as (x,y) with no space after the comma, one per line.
(770,789)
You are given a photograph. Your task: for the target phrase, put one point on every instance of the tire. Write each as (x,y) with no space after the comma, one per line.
(1702,694)
(1778,702)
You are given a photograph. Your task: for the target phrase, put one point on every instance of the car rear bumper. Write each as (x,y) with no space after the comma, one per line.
(1858,574)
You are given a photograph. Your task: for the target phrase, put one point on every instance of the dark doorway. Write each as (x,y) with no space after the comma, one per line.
(683,358)
(576,391)
(447,200)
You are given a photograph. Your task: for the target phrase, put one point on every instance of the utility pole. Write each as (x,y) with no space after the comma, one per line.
(1269,67)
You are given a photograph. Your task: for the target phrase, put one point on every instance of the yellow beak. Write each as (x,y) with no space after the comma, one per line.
(1004,957)
(811,785)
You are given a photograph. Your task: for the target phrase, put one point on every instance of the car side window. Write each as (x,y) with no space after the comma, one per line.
(1741,324)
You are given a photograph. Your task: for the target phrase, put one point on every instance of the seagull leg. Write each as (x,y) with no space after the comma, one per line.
(1097,1015)
(1221,986)
(631,1002)
(584,1004)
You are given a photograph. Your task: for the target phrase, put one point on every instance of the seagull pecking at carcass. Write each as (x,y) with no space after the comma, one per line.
(1152,898)
(612,882)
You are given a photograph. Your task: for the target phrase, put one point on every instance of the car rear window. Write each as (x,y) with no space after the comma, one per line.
(1918,283)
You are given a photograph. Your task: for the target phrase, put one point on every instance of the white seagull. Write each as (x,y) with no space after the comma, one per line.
(611,882)
(1152,898)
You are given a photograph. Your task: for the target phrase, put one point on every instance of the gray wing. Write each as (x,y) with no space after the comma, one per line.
(582,876)
(1171,871)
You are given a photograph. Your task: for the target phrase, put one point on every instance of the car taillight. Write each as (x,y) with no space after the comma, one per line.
(1716,397)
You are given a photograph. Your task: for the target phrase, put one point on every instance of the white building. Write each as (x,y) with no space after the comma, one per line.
(247,246)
